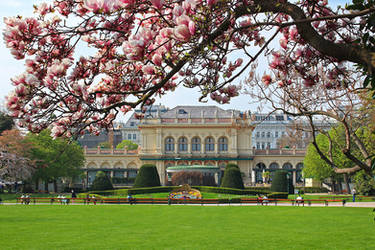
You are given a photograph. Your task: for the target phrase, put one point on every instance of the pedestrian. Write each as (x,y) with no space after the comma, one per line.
(354,192)
(94,199)
(22,198)
(73,195)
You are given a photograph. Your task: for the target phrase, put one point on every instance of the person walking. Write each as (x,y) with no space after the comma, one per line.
(354,192)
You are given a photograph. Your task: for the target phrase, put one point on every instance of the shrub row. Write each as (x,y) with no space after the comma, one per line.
(221,190)
(208,189)
(314,190)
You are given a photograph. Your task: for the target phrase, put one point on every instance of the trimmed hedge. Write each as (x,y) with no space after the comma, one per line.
(278,195)
(231,165)
(313,190)
(147,177)
(101,182)
(232,178)
(223,190)
(279,182)
(162,189)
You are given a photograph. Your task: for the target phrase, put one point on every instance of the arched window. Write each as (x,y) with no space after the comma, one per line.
(223,144)
(287,166)
(169,144)
(209,144)
(274,166)
(182,144)
(259,169)
(196,144)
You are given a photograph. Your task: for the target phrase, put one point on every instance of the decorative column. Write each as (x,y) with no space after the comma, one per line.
(294,177)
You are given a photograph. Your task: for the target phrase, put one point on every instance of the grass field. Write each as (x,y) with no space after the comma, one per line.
(185,227)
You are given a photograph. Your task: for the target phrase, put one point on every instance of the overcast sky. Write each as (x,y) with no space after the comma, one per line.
(10,67)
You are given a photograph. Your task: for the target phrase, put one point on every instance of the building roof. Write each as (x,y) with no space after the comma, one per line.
(199,112)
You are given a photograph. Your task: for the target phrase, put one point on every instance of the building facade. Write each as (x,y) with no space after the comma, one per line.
(194,136)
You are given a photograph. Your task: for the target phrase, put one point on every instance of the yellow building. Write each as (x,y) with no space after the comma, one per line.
(199,135)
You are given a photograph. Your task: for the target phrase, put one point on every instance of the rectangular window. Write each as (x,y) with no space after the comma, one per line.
(129,136)
(134,136)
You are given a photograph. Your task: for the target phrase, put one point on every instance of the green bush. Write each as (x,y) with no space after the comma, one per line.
(231,165)
(279,182)
(313,190)
(118,180)
(232,178)
(150,190)
(235,200)
(278,195)
(101,182)
(364,184)
(222,190)
(147,177)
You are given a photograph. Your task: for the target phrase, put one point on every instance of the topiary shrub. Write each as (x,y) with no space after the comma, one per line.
(232,178)
(279,182)
(147,177)
(101,182)
(231,165)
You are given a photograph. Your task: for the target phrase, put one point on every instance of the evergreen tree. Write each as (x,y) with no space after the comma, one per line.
(279,182)
(101,182)
(232,177)
(147,177)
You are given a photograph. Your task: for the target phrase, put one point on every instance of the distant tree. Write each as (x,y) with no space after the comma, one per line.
(101,182)
(187,177)
(128,144)
(56,158)
(6,122)
(232,177)
(147,176)
(104,144)
(14,162)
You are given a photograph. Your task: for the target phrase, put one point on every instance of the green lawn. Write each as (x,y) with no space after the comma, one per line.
(185,227)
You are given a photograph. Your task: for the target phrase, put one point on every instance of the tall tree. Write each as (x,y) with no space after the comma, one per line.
(6,122)
(142,49)
(55,158)
(340,106)
(14,162)
(128,144)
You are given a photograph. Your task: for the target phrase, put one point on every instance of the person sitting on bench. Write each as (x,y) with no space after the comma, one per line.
(299,200)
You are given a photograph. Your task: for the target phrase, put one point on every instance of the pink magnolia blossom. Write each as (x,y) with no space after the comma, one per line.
(182,33)
(157,59)
(157,3)
(148,69)
(192,27)
(266,79)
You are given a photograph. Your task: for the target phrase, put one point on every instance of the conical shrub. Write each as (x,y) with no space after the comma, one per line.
(147,176)
(232,177)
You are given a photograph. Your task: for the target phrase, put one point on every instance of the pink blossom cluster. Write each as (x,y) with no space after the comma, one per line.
(224,95)
(139,49)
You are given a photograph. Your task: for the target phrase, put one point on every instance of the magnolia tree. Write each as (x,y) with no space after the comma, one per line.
(14,163)
(142,49)
(346,109)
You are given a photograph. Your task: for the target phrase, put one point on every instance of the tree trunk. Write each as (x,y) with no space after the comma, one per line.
(346,180)
(54,185)
(334,188)
(46,186)
(37,185)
